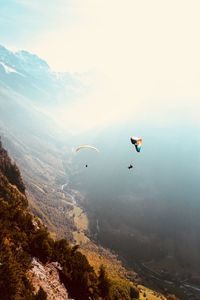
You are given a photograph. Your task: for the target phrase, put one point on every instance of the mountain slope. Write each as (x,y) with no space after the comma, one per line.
(15,228)
(23,237)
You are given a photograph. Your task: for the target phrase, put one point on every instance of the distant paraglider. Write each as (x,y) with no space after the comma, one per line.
(90,147)
(86,147)
(137,142)
(130,167)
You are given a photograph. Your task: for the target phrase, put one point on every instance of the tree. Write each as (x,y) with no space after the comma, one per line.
(134,293)
(104,283)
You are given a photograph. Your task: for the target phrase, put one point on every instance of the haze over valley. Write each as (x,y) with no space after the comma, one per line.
(95,74)
(148,215)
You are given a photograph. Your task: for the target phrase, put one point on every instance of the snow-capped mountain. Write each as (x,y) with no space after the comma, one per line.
(31,77)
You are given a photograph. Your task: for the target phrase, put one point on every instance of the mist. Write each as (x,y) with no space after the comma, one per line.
(154,206)
(109,70)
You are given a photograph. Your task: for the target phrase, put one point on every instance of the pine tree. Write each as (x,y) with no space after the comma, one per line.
(104,283)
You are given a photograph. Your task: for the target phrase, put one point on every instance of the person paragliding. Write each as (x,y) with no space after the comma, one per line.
(90,147)
(137,142)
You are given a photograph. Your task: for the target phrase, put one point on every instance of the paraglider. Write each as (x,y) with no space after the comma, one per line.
(130,167)
(137,142)
(85,147)
(90,147)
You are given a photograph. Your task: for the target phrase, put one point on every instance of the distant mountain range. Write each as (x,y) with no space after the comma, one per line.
(31,77)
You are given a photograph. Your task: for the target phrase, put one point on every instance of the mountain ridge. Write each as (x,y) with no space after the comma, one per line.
(31,76)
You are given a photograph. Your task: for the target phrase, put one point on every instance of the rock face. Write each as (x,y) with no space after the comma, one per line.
(47,277)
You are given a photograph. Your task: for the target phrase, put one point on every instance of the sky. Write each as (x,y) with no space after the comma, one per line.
(146,52)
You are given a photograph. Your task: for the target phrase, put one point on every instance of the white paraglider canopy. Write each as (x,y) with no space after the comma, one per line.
(86,147)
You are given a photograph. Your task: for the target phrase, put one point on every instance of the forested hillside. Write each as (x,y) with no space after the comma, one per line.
(23,237)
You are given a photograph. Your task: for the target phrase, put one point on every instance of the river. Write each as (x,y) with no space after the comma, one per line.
(183,289)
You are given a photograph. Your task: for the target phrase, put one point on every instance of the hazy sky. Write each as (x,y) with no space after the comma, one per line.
(148,53)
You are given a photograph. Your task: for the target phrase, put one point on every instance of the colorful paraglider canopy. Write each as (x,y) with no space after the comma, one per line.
(86,147)
(137,142)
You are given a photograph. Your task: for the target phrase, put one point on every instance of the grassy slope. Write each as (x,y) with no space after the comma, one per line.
(98,256)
